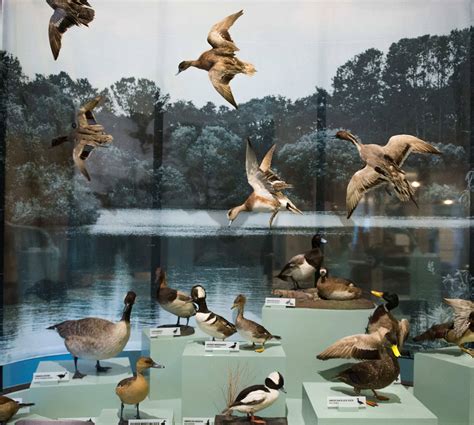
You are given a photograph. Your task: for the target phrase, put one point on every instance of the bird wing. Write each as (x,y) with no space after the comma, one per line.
(80,153)
(125,382)
(362,346)
(85,115)
(59,23)
(402,145)
(402,332)
(224,326)
(219,34)
(83,327)
(267,159)
(249,396)
(184,297)
(295,261)
(361,182)
(462,313)
(220,79)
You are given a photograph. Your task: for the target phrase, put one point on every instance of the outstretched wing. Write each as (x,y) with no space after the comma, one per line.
(59,23)
(463,309)
(402,145)
(80,154)
(219,34)
(362,346)
(220,79)
(361,182)
(403,332)
(85,115)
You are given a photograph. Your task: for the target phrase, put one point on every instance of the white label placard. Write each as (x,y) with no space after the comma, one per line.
(338,402)
(157,332)
(226,346)
(50,377)
(198,421)
(151,421)
(23,409)
(280,302)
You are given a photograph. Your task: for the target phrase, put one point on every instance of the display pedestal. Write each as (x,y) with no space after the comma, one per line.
(306,333)
(205,377)
(402,408)
(78,397)
(168,351)
(444,382)
(112,416)
(228,420)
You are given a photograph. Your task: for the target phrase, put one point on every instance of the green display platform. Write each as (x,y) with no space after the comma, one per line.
(112,416)
(205,376)
(444,382)
(78,397)
(402,408)
(166,383)
(307,332)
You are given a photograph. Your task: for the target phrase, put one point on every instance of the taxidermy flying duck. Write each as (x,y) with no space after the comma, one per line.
(9,408)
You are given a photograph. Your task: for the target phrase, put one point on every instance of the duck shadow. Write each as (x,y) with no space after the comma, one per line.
(244,346)
(186,330)
(331,373)
(392,398)
(88,368)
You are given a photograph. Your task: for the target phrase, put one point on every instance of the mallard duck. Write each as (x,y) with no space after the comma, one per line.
(210,323)
(87,134)
(383,318)
(383,166)
(336,288)
(96,339)
(67,13)
(135,389)
(9,408)
(460,331)
(173,301)
(267,187)
(257,397)
(375,374)
(248,329)
(302,266)
(220,62)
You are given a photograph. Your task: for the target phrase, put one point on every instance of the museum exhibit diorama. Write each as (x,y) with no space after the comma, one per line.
(284,241)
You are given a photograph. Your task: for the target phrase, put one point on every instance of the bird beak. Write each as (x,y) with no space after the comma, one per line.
(179,72)
(230,222)
(323,240)
(283,390)
(377,293)
(234,306)
(396,351)
(157,366)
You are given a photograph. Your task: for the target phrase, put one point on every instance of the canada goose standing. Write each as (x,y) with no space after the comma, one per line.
(9,408)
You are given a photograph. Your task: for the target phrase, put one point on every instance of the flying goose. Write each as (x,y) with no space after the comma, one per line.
(460,331)
(67,13)
(96,339)
(87,134)
(267,187)
(9,408)
(383,166)
(220,62)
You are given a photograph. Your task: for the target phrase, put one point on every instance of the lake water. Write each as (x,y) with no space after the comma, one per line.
(59,274)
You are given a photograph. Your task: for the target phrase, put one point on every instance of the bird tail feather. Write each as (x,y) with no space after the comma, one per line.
(249,69)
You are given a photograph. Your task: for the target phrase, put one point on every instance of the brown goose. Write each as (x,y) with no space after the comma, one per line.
(9,408)
(220,62)
(460,331)
(67,13)
(267,187)
(87,134)
(383,166)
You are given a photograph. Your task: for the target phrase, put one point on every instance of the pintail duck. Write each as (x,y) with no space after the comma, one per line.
(248,329)
(383,318)
(135,389)
(210,323)
(302,266)
(267,187)
(460,331)
(257,397)
(9,408)
(336,288)
(173,301)
(374,374)
(87,134)
(383,166)
(96,339)
(67,13)
(220,62)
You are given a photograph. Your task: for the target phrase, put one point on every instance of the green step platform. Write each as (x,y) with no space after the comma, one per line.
(305,333)
(112,416)
(402,408)
(444,382)
(204,377)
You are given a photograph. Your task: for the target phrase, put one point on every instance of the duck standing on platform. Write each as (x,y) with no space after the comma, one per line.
(336,288)
(302,266)
(9,408)
(383,318)
(135,389)
(220,62)
(210,323)
(257,397)
(173,301)
(460,331)
(96,339)
(248,329)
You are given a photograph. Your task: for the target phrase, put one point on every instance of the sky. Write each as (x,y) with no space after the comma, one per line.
(295,45)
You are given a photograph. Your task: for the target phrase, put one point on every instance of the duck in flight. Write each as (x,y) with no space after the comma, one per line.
(67,13)
(267,195)
(383,166)
(220,62)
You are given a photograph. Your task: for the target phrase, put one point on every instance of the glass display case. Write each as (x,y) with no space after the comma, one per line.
(347,120)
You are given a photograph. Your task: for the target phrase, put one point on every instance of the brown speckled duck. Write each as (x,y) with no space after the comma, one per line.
(336,288)
(9,408)
(220,62)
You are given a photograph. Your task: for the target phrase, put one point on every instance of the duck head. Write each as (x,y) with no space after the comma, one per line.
(392,299)
(239,302)
(144,363)
(275,381)
(160,279)
(323,272)
(390,343)
(234,212)
(317,241)
(198,293)
(183,66)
